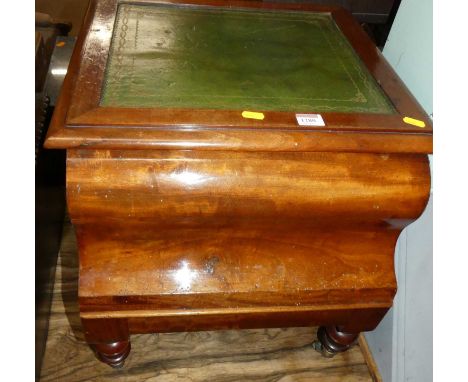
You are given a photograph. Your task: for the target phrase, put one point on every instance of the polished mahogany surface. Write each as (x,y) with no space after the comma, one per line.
(185,187)
(81,120)
(204,230)
(193,218)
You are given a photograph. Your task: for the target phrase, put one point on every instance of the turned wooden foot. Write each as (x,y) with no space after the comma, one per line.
(114,354)
(109,338)
(330,340)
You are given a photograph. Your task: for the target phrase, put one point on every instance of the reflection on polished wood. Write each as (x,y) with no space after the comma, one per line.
(207,129)
(192,219)
(180,241)
(236,355)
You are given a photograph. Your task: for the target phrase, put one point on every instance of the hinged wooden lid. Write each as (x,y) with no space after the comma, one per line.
(180,75)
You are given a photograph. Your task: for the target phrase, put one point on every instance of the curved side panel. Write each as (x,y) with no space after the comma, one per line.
(213,230)
(196,188)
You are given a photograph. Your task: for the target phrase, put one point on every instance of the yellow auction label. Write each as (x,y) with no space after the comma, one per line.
(414,122)
(252,115)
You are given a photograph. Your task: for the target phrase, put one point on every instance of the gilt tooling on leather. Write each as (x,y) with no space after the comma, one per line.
(170,56)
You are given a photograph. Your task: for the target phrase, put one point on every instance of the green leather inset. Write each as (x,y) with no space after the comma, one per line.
(235,59)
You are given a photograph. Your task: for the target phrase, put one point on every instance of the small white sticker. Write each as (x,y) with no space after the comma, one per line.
(310,120)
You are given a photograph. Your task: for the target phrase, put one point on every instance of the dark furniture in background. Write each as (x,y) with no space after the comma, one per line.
(365,11)
(375,16)
(53,52)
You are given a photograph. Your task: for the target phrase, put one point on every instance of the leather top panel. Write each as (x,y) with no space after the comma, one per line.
(173,56)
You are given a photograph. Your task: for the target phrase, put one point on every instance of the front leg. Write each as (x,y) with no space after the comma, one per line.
(114,354)
(331,340)
(109,338)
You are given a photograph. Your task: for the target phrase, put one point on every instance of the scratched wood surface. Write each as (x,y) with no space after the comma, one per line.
(237,355)
(165,127)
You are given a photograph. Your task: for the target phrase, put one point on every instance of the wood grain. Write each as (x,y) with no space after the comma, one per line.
(257,233)
(240,355)
(214,188)
(180,241)
(199,220)
(80,121)
(366,352)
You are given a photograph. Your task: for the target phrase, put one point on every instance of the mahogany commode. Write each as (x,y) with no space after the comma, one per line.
(201,197)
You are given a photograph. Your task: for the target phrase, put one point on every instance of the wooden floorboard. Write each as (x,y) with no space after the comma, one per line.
(265,355)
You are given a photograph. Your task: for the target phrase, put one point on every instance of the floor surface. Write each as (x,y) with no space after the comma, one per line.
(266,355)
